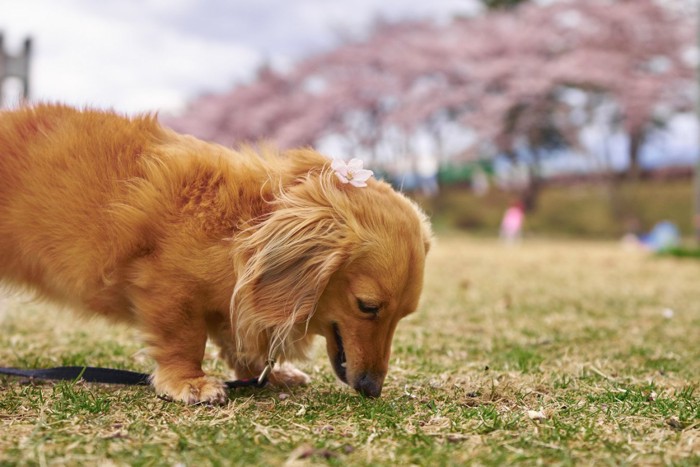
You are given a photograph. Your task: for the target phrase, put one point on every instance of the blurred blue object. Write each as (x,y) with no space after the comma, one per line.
(663,237)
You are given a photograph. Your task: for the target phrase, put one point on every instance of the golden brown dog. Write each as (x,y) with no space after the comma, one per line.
(258,251)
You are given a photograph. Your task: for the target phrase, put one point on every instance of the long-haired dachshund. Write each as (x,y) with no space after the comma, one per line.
(257,250)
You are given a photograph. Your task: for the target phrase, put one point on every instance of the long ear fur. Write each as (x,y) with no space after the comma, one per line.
(288,259)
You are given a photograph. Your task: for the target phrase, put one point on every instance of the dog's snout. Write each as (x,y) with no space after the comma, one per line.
(369,386)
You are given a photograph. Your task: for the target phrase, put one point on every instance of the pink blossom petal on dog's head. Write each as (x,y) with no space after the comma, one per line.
(360,177)
(339,166)
(355,165)
(341,170)
(351,172)
(341,177)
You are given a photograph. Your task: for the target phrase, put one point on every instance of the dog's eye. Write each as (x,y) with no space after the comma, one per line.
(366,307)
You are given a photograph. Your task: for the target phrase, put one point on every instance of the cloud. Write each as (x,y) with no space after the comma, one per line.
(140,55)
(131,61)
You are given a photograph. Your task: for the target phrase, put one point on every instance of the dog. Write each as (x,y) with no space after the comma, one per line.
(257,249)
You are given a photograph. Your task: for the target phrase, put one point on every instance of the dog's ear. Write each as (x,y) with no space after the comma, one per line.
(289,259)
(426,229)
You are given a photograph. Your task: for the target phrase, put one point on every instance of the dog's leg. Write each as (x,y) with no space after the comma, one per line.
(222,337)
(177,342)
(282,375)
(286,375)
(179,373)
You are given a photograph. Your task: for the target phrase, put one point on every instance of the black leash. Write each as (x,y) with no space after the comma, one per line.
(111,376)
(89,374)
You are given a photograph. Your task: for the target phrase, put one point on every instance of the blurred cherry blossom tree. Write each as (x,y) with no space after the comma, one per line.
(503,77)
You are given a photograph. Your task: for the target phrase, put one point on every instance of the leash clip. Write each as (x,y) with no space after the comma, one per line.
(262,379)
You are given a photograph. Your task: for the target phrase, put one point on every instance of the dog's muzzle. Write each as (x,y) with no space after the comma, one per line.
(367,384)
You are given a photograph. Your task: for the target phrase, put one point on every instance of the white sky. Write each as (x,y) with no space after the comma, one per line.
(144,55)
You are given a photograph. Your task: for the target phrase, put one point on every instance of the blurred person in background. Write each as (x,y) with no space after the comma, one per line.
(512,223)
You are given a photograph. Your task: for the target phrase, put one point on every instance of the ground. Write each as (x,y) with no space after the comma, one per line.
(549,351)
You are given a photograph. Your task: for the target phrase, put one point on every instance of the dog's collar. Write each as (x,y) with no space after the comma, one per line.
(265,375)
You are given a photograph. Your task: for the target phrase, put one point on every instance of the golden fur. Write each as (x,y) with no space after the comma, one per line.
(187,240)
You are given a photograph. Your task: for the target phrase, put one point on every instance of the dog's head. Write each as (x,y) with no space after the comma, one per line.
(339,261)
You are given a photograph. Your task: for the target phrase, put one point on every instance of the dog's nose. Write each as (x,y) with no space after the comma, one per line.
(368,386)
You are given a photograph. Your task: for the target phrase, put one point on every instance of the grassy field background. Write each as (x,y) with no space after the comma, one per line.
(583,210)
(558,352)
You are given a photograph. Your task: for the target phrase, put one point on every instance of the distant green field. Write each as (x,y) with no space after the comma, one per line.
(583,210)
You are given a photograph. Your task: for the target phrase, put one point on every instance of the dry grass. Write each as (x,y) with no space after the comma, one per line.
(563,352)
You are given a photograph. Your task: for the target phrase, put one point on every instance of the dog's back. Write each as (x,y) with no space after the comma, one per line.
(58,194)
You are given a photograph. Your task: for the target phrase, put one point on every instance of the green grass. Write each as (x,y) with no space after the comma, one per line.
(575,334)
(683,252)
(586,210)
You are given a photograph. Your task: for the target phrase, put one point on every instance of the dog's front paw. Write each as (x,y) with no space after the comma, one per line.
(287,375)
(202,390)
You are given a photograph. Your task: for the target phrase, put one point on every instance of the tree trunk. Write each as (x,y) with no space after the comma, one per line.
(531,195)
(532,191)
(634,171)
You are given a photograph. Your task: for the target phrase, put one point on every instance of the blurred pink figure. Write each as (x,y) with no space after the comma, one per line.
(512,223)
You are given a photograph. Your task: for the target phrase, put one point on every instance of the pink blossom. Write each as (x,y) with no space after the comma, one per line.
(351,172)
